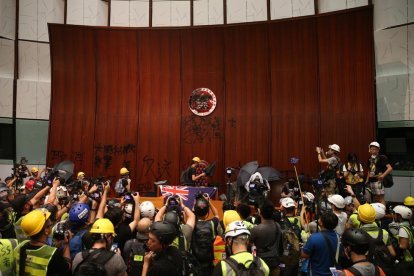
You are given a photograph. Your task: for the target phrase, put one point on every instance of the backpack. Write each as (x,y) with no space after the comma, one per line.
(287,224)
(190,265)
(93,262)
(241,270)
(202,242)
(290,243)
(76,244)
(379,254)
(133,254)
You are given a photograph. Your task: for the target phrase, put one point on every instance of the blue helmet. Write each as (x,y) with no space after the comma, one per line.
(79,213)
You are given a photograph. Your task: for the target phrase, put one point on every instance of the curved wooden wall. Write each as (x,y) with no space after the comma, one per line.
(120,95)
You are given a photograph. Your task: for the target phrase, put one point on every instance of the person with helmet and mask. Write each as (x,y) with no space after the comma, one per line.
(405,237)
(378,169)
(34,256)
(356,244)
(174,215)
(123,185)
(237,241)
(367,216)
(134,249)
(331,161)
(338,204)
(102,234)
(266,237)
(204,233)
(162,259)
(78,219)
(409,202)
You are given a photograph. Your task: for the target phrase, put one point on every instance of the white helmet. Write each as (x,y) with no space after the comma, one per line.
(147,209)
(335,147)
(348,200)
(337,200)
(404,211)
(379,210)
(287,202)
(235,229)
(309,196)
(374,144)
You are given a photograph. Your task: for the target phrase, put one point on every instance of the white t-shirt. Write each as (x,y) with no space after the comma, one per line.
(402,233)
(342,218)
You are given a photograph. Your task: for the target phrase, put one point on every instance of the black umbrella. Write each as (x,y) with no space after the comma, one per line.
(269,173)
(246,172)
(64,169)
(210,169)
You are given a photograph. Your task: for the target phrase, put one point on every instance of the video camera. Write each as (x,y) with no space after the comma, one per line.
(201,195)
(61,231)
(174,204)
(257,192)
(20,170)
(129,198)
(229,171)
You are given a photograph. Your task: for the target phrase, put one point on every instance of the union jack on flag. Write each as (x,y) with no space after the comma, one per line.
(186,193)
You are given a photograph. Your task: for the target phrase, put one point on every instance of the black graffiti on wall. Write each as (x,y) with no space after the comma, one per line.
(156,170)
(198,129)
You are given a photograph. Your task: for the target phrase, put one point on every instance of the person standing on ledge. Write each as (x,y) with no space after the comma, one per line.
(198,176)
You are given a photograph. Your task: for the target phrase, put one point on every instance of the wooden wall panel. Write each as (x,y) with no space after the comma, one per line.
(117,102)
(202,58)
(346,81)
(160,107)
(247,81)
(294,99)
(282,88)
(73,105)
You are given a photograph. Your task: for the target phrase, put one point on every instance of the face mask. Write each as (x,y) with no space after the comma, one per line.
(373,156)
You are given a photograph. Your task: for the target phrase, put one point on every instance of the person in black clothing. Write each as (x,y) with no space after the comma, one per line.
(38,227)
(162,259)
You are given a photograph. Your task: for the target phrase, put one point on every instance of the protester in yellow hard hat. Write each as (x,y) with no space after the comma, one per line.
(196,173)
(123,185)
(84,182)
(102,235)
(34,256)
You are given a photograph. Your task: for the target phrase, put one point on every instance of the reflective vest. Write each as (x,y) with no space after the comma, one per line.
(373,231)
(20,234)
(406,252)
(176,241)
(36,261)
(6,255)
(219,249)
(292,220)
(244,258)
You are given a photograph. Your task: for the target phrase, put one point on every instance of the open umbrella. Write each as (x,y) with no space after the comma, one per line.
(269,173)
(246,172)
(210,169)
(64,169)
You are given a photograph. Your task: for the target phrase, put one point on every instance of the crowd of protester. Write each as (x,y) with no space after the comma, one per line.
(49,226)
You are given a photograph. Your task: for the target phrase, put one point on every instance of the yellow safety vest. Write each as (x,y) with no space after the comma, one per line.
(373,231)
(244,258)
(20,234)
(6,256)
(406,252)
(219,249)
(37,260)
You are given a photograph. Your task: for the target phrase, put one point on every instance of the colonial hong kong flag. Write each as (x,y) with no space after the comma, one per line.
(186,193)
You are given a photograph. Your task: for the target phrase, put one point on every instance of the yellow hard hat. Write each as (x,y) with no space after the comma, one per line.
(34,170)
(81,174)
(103,226)
(33,222)
(229,216)
(409,201)
(196,159)
(366,213)
(124,171)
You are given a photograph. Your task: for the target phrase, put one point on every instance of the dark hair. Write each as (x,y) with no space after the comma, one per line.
(243,210)
(114,214)
(267,209)
(329,220)
(201,207)
(352,157)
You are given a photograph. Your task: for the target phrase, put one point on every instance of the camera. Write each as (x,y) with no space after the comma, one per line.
(129,198)
(20,170)
(200,195)
(229,171)
(173,204)
(61,231)
(94,195)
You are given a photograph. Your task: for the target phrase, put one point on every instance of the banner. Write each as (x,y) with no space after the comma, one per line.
(186,193)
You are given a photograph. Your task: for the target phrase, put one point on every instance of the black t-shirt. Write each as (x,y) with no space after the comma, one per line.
(123,233)
(167,262)
(380,162)
(57,265)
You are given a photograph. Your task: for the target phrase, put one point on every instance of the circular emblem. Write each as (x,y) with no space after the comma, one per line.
(202,101)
